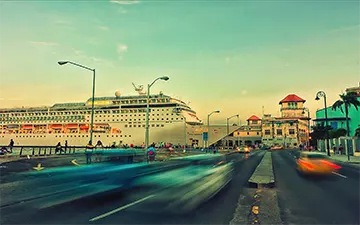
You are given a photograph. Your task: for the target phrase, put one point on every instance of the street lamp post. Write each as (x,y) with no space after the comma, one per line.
(93,95)
(165,78)
(227,126)
(208,125)
(318,95)
(308,136)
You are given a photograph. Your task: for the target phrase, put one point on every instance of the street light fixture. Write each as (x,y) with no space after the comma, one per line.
(227,125)
(308,111)
(208,124)
(318,95)
(165,78)
(61,63)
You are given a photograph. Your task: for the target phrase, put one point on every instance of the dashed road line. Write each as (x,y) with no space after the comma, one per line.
(121,208)
(340,175)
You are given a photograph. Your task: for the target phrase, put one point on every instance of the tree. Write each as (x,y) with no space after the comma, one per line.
(318,133)
(357,132)
(337,133)
(347,100)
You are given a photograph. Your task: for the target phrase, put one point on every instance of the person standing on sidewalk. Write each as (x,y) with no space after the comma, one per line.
(151,153)
(88,153)
(11,145)
(341,148)
(334,149)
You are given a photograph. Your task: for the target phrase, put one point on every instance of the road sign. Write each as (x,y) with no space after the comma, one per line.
(205,136)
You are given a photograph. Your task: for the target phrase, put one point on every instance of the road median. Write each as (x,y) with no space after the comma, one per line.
(263,175)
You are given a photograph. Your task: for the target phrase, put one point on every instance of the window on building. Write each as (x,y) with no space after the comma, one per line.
(267,132)
(291,131)
(334,125)
(254,122)
(279,131)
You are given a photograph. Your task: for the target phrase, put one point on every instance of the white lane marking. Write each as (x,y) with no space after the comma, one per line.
(121,208)
(340,175)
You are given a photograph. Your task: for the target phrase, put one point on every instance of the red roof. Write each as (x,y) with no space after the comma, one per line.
(253,117)
(292,98)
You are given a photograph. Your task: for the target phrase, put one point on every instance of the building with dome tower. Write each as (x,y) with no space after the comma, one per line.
(290,129)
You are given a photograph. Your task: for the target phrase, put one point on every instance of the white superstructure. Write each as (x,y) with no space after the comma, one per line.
(118,119)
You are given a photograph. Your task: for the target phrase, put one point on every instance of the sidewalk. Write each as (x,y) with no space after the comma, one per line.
(344,158)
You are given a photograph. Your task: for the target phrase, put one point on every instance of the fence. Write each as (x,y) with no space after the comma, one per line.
(43,150)
(350,144)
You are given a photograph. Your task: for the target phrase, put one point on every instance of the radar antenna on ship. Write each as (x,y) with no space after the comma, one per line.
(139,89)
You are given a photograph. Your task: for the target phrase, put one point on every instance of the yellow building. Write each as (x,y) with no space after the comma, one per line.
(249,134)
(289,130)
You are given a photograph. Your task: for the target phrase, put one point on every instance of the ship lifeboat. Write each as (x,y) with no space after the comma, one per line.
(27,127)
(72,126)
(84,126)
(115,131)
(13,126)
(56,126)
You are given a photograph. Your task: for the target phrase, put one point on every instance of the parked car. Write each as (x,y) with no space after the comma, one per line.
(277,147)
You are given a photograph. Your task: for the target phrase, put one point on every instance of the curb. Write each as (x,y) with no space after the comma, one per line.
(263,175)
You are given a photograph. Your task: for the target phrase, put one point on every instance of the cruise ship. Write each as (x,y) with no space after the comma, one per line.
(118,120)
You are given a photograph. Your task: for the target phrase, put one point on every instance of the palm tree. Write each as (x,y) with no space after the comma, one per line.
(347,100)
(357,132)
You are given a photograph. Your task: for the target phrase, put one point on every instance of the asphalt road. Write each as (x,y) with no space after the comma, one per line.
(24,164)
(333,200)
(135,207)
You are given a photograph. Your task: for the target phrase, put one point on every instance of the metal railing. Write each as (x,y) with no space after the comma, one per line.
(42,150)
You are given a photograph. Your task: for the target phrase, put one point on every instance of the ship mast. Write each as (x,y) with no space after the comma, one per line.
(139,89)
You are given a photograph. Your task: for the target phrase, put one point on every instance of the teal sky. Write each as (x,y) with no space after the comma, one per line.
(235,56)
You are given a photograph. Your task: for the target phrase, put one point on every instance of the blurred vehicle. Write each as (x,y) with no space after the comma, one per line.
(182,190)
(277,147)
(243,149)
(265,147)
(315,163)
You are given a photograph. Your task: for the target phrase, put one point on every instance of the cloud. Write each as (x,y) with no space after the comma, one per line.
(121,49)
(77,52)
(93,41)
(125,2)
(347,28)
(244,92)
(62,22)
(121,11)
(96,59)
(104,28)
(43,43)
(227,60)
(11,99)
